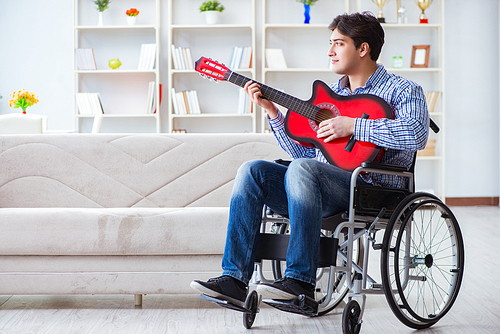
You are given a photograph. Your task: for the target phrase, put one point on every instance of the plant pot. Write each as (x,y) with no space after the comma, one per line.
(211,16)
(131,20)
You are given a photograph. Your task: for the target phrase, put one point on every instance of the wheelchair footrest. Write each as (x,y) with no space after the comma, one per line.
(226,304)
(302,305)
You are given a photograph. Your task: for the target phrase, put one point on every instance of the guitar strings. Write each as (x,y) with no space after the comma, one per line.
(301,107)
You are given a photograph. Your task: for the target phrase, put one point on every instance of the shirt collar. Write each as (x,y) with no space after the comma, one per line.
(372,80)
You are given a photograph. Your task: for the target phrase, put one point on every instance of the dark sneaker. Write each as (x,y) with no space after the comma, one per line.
(285,289)
(223,287)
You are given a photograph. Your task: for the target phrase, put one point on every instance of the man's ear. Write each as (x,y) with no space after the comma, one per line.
(364,49)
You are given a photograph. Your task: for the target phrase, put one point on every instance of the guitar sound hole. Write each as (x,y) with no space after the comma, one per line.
(323,115)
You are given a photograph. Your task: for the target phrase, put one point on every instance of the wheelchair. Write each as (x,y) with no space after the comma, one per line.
(421,264)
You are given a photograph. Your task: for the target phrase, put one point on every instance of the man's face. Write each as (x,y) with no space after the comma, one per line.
(343,54)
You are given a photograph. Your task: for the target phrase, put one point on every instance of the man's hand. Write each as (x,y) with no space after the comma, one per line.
(253,91)
(338,127)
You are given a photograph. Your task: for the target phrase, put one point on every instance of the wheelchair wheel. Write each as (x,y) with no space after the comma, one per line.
(252,304)
(422,260)
(340,288)
(350,318)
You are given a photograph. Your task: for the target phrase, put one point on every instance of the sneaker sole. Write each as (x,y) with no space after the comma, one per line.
(270,292)
(200,288)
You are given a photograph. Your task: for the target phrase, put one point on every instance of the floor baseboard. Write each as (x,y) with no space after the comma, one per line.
(472,201)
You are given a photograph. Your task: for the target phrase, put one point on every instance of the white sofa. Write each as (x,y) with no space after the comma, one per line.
(117,214)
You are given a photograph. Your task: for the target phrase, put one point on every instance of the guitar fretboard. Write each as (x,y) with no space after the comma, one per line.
(297,105)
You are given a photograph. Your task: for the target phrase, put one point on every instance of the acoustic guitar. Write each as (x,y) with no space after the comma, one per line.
(303,117)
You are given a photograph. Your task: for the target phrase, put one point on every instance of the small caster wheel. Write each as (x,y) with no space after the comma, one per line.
(252,305)
(350,318)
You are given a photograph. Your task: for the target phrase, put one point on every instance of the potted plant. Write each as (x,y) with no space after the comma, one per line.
(307,9)
(22,99)
(102,5)
(211,10)
(132,16)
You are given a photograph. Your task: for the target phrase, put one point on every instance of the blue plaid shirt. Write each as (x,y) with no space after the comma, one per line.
(401,136)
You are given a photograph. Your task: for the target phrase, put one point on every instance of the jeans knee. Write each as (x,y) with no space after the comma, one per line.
(301,167)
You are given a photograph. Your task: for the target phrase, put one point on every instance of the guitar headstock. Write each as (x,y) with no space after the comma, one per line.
(212,69)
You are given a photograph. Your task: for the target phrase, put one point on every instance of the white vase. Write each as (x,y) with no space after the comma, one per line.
(211,16)
(101,22)
(131,20)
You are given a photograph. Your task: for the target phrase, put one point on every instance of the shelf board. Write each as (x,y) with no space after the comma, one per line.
(113,71)
(117,27)
(212,115)
(411,25)
(121,116)
(409,69)
(430,157)
(211,26)
(295,26)
(297,70)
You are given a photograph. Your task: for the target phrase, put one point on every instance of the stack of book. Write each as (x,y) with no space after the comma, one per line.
(241,57)
(182,58)
(85,59)
(244,104)
(185,102)
(89,104)
(275,59)
(432,100)
(147,59)
(151,99)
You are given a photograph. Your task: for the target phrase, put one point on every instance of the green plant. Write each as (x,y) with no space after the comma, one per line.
(211,5)
(307,2)
(102,5)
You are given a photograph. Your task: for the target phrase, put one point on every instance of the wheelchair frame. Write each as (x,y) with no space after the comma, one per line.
(399,217)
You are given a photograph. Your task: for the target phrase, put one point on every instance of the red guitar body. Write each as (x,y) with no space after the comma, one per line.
(303,129)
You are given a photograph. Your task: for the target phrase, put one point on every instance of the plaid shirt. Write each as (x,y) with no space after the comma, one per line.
(401,137)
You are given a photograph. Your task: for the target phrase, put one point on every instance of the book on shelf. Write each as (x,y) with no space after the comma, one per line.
(275,58)
(241,57)
(185,102)
(85,59)
(245,106)
(147,58)
(89,104)
(151,98)
(432,99)
(182,58)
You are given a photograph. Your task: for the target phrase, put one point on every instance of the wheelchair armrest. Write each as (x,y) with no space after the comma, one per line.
(385,167)
(283,162)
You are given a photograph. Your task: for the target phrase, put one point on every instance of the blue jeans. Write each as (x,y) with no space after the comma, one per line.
(306,191)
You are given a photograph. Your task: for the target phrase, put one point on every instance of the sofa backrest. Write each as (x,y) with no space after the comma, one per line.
(131,170)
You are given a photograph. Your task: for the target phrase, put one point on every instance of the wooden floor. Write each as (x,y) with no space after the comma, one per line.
(477,309)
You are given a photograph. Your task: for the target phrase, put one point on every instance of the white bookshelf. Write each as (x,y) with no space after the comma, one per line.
(123,91)
(218,102)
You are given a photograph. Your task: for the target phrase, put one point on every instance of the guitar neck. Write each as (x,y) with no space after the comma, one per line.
(297,105)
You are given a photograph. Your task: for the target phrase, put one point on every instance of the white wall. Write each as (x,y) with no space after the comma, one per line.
(37,54)
(472,90)
(36,39)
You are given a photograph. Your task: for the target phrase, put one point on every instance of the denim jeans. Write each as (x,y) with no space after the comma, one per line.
(306,191)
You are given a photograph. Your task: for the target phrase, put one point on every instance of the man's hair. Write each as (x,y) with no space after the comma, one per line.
(361,27)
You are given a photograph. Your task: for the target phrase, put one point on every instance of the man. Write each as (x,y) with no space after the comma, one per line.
(310,189)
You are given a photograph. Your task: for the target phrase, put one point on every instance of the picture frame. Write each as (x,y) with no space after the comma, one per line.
(420,56)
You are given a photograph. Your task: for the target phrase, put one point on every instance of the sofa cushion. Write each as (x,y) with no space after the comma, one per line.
(118,231)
